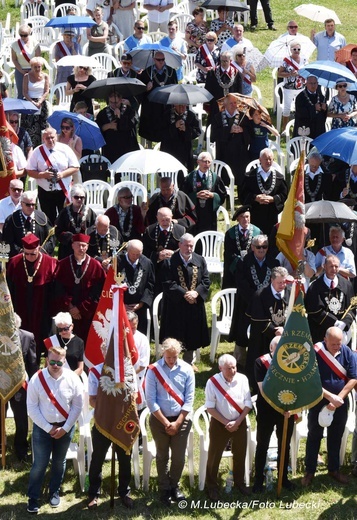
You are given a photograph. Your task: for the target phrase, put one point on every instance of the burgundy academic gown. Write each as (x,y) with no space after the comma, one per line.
(84,295)
(31,301)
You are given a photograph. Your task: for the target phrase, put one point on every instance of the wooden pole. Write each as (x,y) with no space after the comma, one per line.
(3,444)
(112,478)
(282,455)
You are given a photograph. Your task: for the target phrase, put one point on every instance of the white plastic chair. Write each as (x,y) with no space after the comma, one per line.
(256,163)
(156,36)
(189,65)
(107,61)
(201,421)
(182,20)
(99,73)
(97,195)
(221,211)
(212,247)
(295,147)
(223,325)
(137,190)
(350,425)
(61,10)
(58,94)
(280,155)
(43,35)
(217,167)
(118,50)
(274,74)
(29,9)
(257,94)
(156,323)
(279,104)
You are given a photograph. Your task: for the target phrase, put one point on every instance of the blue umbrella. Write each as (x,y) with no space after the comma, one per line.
(143,56)
(86,129)
(19,105)
(327,72)
(70,21)
(340,143)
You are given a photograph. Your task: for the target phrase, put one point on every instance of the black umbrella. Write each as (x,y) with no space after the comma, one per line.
(327,211)
(231,5)
(180,95)
(102,88)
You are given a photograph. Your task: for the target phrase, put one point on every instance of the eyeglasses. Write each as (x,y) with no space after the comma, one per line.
(205,161)
(296,49)
(29,204)
(210,40)
(29,254)
(342,85)
(53,362)
(79,197)
(126,62)
(84,68)
(24,35)
(13,121)
(293,26)
(240,55)
(140,28)
(66,127)
(18,190)
(261,247)
(63,329)
(159,59)
(127,197)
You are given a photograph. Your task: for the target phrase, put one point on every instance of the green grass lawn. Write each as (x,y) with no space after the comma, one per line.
(324,501)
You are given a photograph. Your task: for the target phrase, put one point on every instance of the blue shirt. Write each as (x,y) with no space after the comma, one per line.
(345,256)
(157,397)
(327,45)
(329,380)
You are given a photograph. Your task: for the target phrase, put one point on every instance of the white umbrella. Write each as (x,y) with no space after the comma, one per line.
(78,60)
(146,162)
(316,13)
(280,49)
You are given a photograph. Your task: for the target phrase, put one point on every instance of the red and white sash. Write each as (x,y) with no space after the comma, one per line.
(330,361)
(226,395)
(299,80)
(95,372)
(23,51)
(64,49)
(266,360)
(53,399)
(240,69)
(206,53)
(53,341)
(49,165)
(169,386)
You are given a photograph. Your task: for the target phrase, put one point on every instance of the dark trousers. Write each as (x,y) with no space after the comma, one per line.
(51,202)
(218,438)
(266,9)
(267,418)
(18,405)
(334,437)
(100,448)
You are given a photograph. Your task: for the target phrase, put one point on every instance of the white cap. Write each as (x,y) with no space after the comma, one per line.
(325,417)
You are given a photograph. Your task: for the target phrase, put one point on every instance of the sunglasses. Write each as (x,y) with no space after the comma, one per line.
(261,247)
(296,49)
(53,362)
(29,204)
(127,197)
(24,35)
(78,197)
(159,59)
(84,68)
(13,121)
(30,254)
(293,26)
(240,55)
(18,190)
(126,62)
(209,39)
(66,127)
(342,85)
(141,28)
(63,329)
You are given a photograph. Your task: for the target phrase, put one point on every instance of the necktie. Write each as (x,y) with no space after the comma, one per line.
(28,223)
(51,150)
(332,286)
(204,177)
(278,295)
(165,232)
(244,233)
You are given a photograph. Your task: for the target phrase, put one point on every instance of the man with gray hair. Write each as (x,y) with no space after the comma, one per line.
(347,267)
(185,285)
(228,401)
(207,192)
(126,216)
(11,203)
(311,109)
(170,390)
(267,313)
(26,220)
(237,39)
(100,243)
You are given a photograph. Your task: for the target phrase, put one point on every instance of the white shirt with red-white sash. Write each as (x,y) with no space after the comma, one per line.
(67,391)
(237,390)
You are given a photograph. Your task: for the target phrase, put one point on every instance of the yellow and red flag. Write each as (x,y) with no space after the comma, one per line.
(7,170)
(290,238)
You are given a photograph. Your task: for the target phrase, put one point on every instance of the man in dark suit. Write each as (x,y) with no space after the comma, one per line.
(100,237)
(310,109)
(125,71)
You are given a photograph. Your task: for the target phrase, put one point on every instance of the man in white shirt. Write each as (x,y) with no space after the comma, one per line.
(54,403)
(237,39)
(159,14)
(52,164)
(228,401)
(11,203)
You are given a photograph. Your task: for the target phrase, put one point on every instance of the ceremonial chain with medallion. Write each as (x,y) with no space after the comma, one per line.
(122,217)
(209,181)
(169,233)
(33,224)
(181,117)
(183,281)
(76,279)
(30,278)
(250,238)
(273,182)
(225,119)
(133,288)
(256,280)
(107,239)
(310,102)
(82,225)
(224,86)
(172,203)
(312,194)
(155,77)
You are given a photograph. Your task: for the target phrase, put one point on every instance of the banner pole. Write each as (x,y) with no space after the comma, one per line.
(3,444)
(282,455)
(112,478)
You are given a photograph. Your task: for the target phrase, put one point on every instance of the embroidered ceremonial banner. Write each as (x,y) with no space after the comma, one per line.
(293,382)
(7,171)
(12,368)
(290,237)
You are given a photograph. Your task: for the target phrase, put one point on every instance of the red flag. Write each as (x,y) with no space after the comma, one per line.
(7,171)
(290,237)
(115,413)
(100,328)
